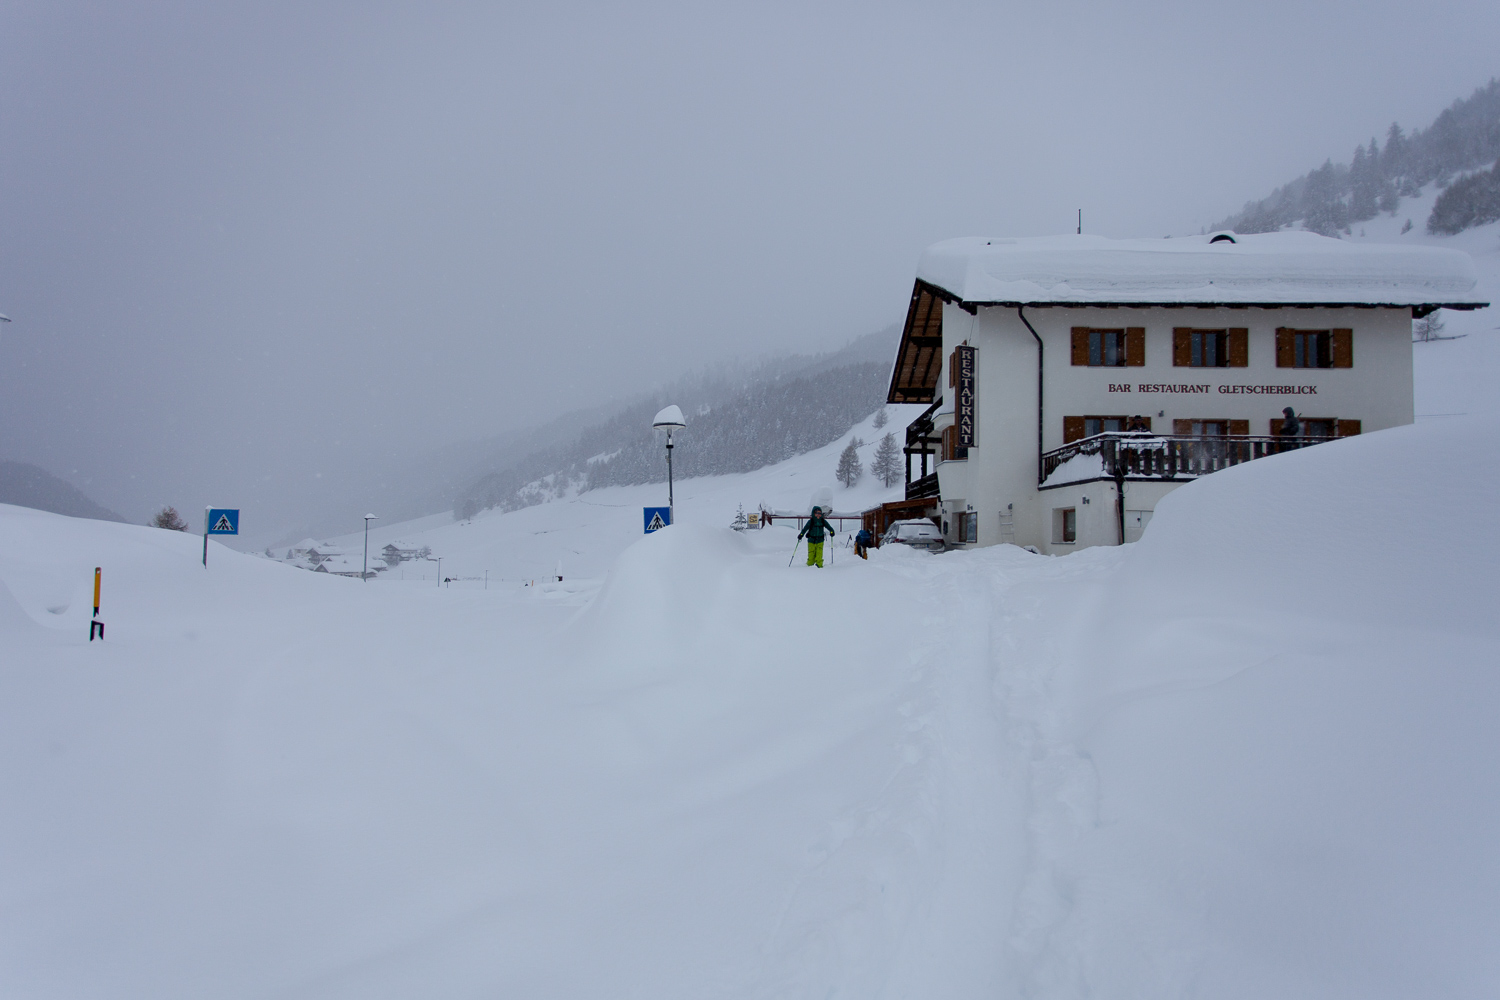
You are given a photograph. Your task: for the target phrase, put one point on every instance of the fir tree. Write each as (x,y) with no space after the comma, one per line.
(1364,184)
(887,465)
(1326,213)
(1470,202)
(850,469)
(881,418)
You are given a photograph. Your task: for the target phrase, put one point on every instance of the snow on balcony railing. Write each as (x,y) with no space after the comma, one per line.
(1143,455)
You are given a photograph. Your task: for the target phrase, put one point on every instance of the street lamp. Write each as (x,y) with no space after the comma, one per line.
(669,420)
(365,575)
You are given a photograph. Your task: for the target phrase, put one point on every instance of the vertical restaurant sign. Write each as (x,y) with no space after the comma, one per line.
(963,359)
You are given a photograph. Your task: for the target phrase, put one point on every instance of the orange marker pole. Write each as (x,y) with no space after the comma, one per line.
(96,627)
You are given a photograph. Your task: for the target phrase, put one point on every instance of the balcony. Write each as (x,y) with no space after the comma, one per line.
(1143,455)
(921,489)
(921,442)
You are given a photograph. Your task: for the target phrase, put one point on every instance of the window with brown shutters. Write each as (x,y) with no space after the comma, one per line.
(1314,348)
(1343,348)
(1239,347)
(1182,346)
(951,450)
(1283,347)
(1348,428)
(1202,428)
(1115,348)
(1203,348)
(1072,429)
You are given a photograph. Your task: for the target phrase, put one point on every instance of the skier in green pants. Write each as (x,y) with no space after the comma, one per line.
(814,530)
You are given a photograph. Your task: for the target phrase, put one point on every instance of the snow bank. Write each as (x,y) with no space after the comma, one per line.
(1286,700)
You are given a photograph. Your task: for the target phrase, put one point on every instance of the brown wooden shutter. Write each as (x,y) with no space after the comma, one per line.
(1239,428)
(1148,422)
(1072,429)
(1239,347)
(1182,347)
(1343,348)
(1080,345)
(1348,428)
(1182,427)
(1135,346)
(1276,423)
(1286,357)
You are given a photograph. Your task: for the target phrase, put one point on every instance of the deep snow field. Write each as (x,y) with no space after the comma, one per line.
(1253,755)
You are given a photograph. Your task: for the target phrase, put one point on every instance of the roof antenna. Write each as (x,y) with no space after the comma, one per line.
(1080,222)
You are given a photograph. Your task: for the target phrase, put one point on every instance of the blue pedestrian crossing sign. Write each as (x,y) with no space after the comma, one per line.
(222,521)
(657,518)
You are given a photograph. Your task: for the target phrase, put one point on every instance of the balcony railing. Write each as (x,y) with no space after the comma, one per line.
(921,489)
(1143,455)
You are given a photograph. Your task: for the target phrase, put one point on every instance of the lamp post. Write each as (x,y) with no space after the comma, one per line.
(365,574)
(669,420)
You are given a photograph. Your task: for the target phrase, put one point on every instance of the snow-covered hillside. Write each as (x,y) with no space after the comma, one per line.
(1453,377)
(587,531)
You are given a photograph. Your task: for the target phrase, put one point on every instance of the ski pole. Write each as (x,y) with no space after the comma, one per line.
(795,546)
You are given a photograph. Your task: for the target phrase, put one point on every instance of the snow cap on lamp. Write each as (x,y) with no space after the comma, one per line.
(669,419)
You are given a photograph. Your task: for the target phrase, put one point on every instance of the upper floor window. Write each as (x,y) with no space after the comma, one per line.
(1107,348)
(1103,348)
(1314,348)
(1229,348)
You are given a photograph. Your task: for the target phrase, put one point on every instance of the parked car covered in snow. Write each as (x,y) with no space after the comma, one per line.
(919,533)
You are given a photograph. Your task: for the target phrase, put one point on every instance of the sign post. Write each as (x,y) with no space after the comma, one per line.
(657,518)
(219,521)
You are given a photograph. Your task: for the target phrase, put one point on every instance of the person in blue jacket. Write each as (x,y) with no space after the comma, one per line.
(862,543)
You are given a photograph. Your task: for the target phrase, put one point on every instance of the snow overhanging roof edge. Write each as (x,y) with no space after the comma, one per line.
(1268,270)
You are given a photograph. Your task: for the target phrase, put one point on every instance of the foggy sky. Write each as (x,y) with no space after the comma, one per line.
(244,249)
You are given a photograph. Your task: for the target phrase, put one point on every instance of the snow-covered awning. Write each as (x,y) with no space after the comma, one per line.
(1266,269)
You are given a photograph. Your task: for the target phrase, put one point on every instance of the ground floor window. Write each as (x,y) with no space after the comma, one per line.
(969,528)
(1064,525)
(1317,428)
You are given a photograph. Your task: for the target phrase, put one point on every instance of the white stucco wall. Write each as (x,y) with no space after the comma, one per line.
(1002,467)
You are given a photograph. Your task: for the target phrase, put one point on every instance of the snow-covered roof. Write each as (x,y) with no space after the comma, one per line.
(1287,268)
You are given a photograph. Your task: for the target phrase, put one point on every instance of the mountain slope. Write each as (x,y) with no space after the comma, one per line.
(1334,197)
(736,423)
(32,486)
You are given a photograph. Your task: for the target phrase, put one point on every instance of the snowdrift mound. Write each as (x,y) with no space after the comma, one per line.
(1286,700)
